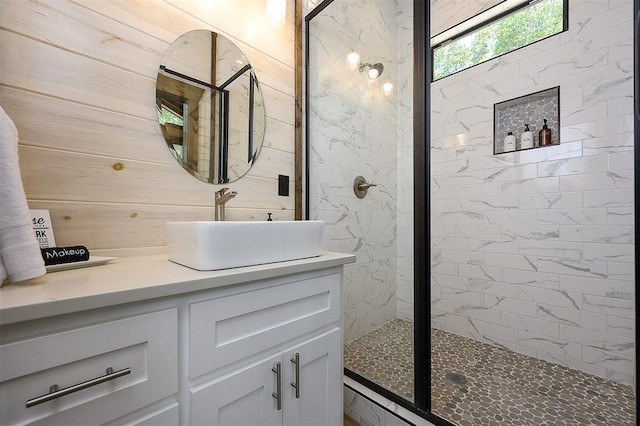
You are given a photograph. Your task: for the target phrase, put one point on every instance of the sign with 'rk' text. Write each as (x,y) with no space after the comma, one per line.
(43,228)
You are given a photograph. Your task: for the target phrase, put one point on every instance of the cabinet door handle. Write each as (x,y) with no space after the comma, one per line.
(278,393)
(296,374)
(55,392)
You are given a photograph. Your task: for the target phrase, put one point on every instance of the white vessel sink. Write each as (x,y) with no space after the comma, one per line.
(209,245)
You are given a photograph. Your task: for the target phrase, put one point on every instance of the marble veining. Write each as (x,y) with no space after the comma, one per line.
(549,274)
(356,130)
(375,140)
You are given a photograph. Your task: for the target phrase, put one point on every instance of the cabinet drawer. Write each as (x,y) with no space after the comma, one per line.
(145,344)
(231,328)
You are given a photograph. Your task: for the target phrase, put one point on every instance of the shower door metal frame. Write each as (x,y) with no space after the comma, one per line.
(636,164)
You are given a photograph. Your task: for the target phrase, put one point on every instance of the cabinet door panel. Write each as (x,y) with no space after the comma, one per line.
(320,382)
(243,397)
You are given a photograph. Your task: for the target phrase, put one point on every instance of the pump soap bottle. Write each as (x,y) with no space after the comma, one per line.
(544,137)
(509,143)
(526,139)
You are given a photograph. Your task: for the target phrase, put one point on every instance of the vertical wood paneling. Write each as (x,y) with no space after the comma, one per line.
(78,79)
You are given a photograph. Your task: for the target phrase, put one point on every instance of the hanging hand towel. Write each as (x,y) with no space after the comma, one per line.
(19,249)
(3,273)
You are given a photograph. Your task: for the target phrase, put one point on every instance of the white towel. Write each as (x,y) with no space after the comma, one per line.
(3,272)
(20,257)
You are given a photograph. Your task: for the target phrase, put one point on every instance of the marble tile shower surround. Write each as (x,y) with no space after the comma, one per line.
(534,251)
(353,131)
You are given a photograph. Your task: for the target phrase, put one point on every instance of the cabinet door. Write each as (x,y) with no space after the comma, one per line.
(319,380)
(243,397)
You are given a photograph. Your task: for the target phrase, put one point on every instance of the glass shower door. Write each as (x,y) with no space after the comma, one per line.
(359,126)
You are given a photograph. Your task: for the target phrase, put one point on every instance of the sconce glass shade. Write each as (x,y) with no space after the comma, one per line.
(276,12)
(387,89)
(353,60)
(373,73)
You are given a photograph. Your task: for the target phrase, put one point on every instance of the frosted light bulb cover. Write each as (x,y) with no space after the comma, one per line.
(276,12)
(353,60)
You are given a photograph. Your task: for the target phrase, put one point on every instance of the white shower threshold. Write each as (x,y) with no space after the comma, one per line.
(370,408)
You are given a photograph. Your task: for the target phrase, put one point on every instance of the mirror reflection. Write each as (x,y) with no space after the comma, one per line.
(210,107)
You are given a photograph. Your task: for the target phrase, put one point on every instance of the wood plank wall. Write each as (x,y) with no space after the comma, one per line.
(78,79)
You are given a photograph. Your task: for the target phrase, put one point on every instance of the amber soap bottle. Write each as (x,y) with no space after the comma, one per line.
(544,136)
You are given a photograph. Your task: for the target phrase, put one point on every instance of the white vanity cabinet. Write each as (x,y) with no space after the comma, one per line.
(253,346)
(279,353)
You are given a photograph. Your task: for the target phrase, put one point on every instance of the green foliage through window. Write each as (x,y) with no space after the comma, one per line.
(523,27)
(167,116)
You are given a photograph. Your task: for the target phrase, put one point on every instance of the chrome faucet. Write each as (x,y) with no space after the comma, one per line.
(221,199)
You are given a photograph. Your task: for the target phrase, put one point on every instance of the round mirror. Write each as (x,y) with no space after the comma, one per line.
(210,107)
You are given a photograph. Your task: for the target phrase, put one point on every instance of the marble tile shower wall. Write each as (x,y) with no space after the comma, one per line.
(353,130)
(534,251)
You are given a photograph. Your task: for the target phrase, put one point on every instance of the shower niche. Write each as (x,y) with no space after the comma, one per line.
(512,119)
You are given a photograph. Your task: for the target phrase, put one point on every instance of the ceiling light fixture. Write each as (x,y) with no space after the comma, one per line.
(276,12)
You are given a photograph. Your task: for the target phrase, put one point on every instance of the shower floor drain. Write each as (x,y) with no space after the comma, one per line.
(457,379)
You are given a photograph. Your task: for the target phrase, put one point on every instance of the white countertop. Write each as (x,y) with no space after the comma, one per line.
(134,279)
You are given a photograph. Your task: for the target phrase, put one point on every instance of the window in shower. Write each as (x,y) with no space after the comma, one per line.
(502,29)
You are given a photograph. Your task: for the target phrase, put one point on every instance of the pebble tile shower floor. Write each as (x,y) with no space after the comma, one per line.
(502,387)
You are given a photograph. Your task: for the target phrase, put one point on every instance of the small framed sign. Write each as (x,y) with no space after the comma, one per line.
(43,228)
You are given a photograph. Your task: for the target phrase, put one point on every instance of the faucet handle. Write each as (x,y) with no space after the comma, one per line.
(221,192)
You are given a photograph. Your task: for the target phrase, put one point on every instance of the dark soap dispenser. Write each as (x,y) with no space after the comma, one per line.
(544,136)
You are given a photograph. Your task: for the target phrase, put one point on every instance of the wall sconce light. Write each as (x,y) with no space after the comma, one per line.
(373,70)
(276,12)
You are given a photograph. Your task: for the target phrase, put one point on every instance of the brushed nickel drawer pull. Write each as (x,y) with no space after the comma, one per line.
(295,359)
(55,392)
(278,393)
